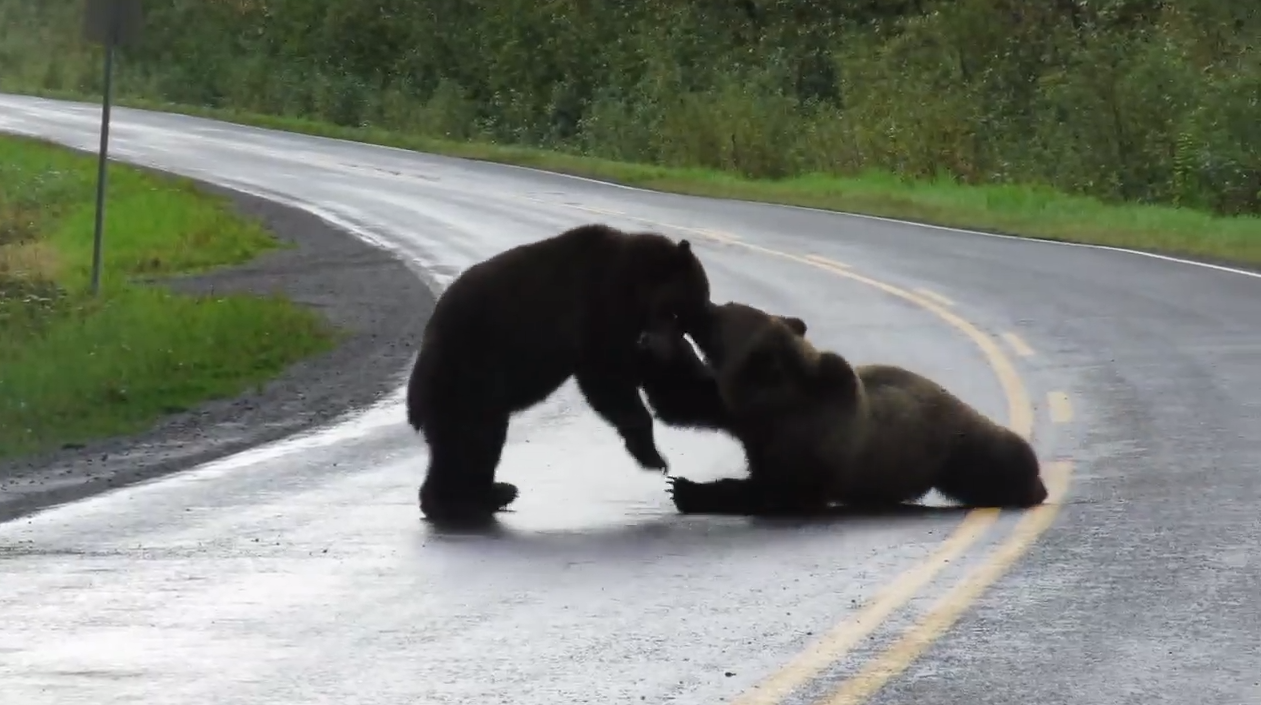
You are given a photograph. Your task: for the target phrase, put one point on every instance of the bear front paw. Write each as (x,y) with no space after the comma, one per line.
(683,493)
(503,494)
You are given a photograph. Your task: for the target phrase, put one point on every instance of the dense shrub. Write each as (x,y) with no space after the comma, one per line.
(1141,100)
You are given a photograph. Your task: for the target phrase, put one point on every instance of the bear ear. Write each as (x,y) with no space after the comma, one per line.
(685,246)
(795,324)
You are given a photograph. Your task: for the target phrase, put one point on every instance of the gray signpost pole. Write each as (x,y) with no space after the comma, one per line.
(102,160)
(109,22)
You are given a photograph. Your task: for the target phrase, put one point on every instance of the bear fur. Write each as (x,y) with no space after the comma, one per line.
(681,389)
(511,329)
(816,430)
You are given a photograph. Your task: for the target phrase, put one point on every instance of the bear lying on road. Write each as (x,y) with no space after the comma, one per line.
(511,329)
(816,430)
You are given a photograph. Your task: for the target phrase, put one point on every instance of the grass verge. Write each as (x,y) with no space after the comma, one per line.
(1027,211)
(73,367)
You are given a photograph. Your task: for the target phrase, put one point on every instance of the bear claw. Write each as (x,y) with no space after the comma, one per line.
(682,493)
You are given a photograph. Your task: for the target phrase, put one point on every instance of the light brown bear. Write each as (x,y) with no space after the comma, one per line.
(816,430)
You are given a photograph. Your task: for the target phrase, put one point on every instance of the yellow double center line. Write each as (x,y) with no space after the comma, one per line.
(895,659)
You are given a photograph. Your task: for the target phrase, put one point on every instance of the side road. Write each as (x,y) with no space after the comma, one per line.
(379,303)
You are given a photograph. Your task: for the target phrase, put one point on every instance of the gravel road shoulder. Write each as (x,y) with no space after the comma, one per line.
(380,303)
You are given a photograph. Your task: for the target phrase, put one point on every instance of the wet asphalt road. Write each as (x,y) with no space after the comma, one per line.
(299,573)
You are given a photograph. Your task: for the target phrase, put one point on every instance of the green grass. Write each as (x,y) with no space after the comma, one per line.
(1027,211)
(73,367)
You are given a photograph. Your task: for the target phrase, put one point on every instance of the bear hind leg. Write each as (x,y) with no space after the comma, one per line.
(884,490)
(460,484)
(993,469)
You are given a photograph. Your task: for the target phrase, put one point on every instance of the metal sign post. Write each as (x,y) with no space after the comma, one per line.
(107,22)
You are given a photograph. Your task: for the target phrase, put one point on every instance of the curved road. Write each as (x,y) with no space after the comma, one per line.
(299,572)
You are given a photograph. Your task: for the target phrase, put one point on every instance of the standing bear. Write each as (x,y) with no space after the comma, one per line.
(511,329)
(816,430)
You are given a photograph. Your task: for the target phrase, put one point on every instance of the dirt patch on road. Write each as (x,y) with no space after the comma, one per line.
(379,303)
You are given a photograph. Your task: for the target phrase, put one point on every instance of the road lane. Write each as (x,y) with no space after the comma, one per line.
(273,576)
(1143,590)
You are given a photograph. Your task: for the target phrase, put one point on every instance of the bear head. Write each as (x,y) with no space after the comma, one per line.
(670,282)
(720,326)
(724,331)
(763,361)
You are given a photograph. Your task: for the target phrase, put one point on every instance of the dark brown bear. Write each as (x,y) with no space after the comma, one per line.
(511,329)
(816,431)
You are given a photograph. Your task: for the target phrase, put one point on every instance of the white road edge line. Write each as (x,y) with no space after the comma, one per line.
(848,214)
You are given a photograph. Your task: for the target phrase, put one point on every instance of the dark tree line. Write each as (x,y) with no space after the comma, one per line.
(1146,100)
